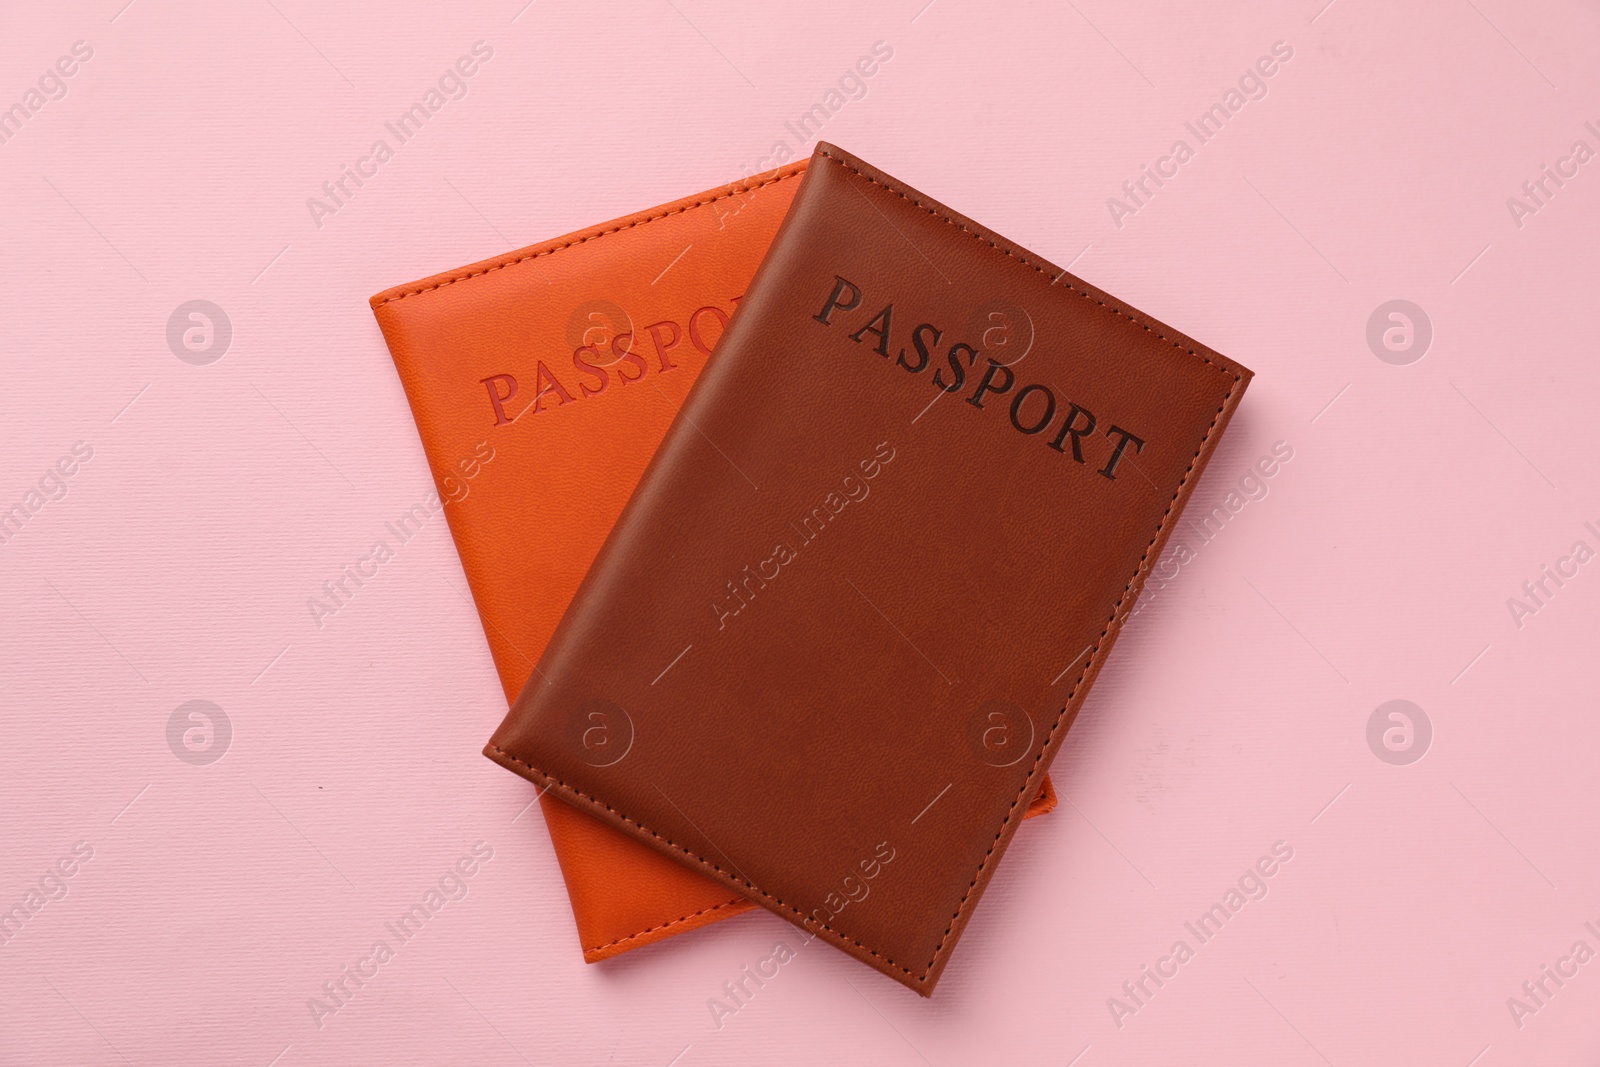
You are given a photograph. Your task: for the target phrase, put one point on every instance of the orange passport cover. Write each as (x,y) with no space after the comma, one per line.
(564,363)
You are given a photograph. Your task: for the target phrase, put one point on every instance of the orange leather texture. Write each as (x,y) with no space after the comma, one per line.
(566,362)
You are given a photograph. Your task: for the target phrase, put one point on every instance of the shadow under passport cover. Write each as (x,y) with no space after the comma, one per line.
(863,548)
(565,363)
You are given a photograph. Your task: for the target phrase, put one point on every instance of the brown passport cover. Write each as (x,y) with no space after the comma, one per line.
(863,548)
(563,364)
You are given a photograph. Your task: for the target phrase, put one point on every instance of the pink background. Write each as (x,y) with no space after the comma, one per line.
(1233,716)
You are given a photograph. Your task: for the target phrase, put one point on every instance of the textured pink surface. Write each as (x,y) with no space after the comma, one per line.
(174,564)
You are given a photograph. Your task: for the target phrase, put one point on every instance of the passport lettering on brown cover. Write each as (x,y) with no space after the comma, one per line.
(873,543)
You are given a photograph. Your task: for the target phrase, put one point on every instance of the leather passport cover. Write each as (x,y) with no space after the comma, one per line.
(864,586)
(542,382)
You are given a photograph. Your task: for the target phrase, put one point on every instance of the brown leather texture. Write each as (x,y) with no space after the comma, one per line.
(541,382)
(863,547)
